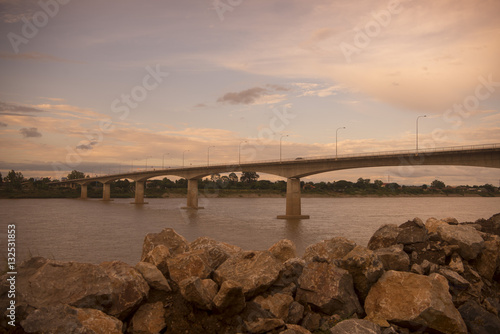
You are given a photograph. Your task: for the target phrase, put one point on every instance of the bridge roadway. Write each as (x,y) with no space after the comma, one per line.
(293,169)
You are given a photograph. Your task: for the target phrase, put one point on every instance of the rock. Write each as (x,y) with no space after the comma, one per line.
(284,250)
(129,288)
(412,232)
(328,289)
(417,269)
(330,250)
(206,242)
(365,267)
(467,238)
(478,320)
(291,272)
(414,301)
(278,304)
(254,271)
(456,263)
(230,298)
(394,258)
(158,256)
(432,224)
(63,318)
(455,281)
(194,263)
(384,237)
(112,287)
(175,243)
(295,329)
(311,321)
(295,313)
(258,320)
(153,276)
(197,293)
(149,319)
(450,220)
(356,326)
(488,260)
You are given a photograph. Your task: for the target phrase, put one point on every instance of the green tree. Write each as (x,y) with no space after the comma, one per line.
(378,184)
(249,177)
(1,179)
(438,184)
(233,178)
(75,175)
(14,179)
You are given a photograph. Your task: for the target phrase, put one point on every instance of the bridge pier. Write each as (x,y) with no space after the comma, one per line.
(106,192)
(192,195)
(83,188)
(293,205)
(139,193)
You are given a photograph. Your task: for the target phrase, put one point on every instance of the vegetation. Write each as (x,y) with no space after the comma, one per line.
(14,185)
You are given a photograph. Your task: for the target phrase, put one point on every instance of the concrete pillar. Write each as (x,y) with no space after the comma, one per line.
(293,205)
(106,191)
(139,192)
(192,195)
(83,191)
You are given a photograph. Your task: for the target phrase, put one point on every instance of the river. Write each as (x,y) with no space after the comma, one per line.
(95,231)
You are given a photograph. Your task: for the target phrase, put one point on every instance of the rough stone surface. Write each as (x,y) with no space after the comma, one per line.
(149,319)
(466,237)
(478,320)
(206,242)
(67,319)
(230,298)
(412,232)
(356,326)
(365,267)
(487,262)
(328,289)
(153,276)
(394,258)
(384,237)
(194,291)
(432,224)
(295,313)
(278,304)
(254,271)
(258,320)
(414,300)
(175,243)
(284,250)
(456,263)
(295,329)
(158,256)
(329,250)
(185,265)
(455,281)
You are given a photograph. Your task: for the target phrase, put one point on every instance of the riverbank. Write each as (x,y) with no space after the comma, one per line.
(439,276)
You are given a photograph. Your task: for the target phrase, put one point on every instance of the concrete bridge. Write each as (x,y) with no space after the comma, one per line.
(293,169)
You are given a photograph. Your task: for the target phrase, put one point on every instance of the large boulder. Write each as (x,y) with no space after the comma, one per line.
(432,224)
(113,287)
(63,318)
(365,267)
(254,271)
(414,301)
(328,289)
(149,319)
(206,242)
(329,250)
(278,304)
(194,263)
(199,292)
(394,258)
(412,232)
(356,326)
(488,260)
(153,276)
(158,256)
(467,238)
(230,298)
(175,243)
(284,250)
(478,320)
(384,237)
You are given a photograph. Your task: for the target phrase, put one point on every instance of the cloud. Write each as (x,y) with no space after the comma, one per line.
(36,56)
(14,109)
(256,95)
(3,125)
(30,132)
(12,11)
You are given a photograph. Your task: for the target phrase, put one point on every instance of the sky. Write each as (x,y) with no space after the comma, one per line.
(115,86)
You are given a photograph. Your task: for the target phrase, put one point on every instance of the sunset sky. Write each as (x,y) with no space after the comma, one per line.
(104,86)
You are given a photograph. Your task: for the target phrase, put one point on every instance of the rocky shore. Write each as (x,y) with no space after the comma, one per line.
(440,276)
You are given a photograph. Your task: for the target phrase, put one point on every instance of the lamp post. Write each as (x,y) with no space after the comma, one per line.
(149,156)
(417,133)
(280,144)
(183,157)
(336,140)
(208,155)
(239,151)
(163,160)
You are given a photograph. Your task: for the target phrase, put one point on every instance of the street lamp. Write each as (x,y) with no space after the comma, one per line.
(336,140)
(163,160)
(183,157)
(239,151)
(149,156)
(417,132)
(280,144)
(208,155)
